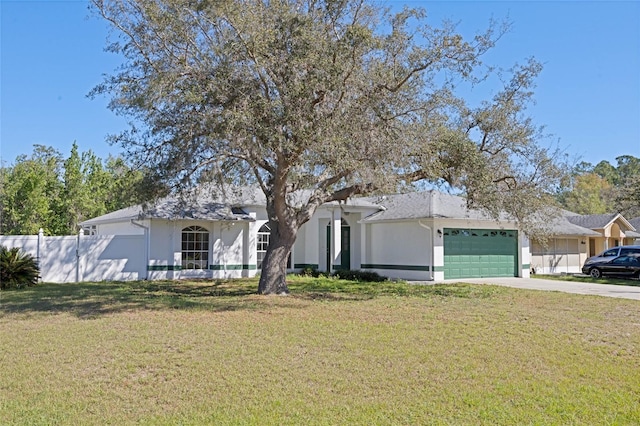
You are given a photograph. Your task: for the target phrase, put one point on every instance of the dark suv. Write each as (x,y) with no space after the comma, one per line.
(612,253)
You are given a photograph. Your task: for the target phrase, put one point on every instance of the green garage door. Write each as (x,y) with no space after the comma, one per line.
(475,253)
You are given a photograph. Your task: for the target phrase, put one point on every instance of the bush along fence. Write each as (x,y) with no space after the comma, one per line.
(83,257)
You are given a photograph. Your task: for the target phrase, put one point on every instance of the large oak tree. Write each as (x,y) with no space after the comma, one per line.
(336,97)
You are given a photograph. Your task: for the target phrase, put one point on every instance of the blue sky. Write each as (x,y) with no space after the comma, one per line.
(587,97)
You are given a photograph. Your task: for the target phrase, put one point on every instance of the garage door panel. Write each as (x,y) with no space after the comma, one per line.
(480,253)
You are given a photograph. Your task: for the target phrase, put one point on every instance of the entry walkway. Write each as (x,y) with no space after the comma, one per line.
(608,290)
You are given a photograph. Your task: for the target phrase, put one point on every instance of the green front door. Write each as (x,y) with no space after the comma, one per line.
(476,253)
(345,258)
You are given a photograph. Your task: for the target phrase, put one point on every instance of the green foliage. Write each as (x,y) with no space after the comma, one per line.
(606,171)
(365,276)
(628,198)
(604,188)
(627,194)
(17,269)
(46,191)
(590,194)
(30,191)
(351,275)
(337,98)
(313,272)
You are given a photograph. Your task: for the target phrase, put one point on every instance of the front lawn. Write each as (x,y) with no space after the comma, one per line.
(333,352)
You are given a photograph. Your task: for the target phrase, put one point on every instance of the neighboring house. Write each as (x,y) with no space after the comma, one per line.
(636,224)
(614,230)
(418,236)
(577,237)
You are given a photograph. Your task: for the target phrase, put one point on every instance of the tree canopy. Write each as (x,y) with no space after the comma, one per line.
(45,190)
(604,188)
(337,97)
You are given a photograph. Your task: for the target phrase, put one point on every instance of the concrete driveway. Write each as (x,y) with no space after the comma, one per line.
(608,290)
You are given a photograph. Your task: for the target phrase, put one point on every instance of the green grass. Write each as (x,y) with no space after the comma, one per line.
(333,352)
(587,279)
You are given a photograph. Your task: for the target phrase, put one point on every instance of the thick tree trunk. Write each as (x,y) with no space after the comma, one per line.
(273,278)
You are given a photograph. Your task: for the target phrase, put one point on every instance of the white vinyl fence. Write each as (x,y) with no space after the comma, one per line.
(84,257)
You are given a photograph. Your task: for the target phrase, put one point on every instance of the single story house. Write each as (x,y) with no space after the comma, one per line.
(417,236)
(427,235)
(577,237)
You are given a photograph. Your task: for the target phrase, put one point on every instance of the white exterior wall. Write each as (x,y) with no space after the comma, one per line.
(26,243)
(119,228)
(162,263)
(227,255)
(84,258)
(399,250)
(226,250)
(560,256)
(112,258)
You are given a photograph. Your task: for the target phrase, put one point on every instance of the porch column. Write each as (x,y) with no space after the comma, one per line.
(365,228)
(525,255)
(336,241)
(249,241)
(437,267)
(311,249)
(175,254)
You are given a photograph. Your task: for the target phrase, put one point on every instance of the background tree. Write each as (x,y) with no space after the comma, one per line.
(605,170)
(627,192)
(75,195)
(628,168)
(590,194)
(30,189)
(628,198)
(125,185)
(92,188)
(604,188)
(44,190)
(337,97)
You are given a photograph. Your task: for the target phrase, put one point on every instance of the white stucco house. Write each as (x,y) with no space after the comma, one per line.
(417,236)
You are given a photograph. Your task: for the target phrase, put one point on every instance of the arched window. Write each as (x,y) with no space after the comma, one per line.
(264,233)
(195,248)
(263,242)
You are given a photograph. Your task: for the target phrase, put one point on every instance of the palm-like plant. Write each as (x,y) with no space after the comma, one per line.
(17,269)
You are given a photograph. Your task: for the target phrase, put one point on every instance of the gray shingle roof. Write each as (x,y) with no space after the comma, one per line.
(592,221)
(209,205)
(421,205)
(174,209)
(600,221)
(561,226)
(127,214)
(435,204)
(216,206)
